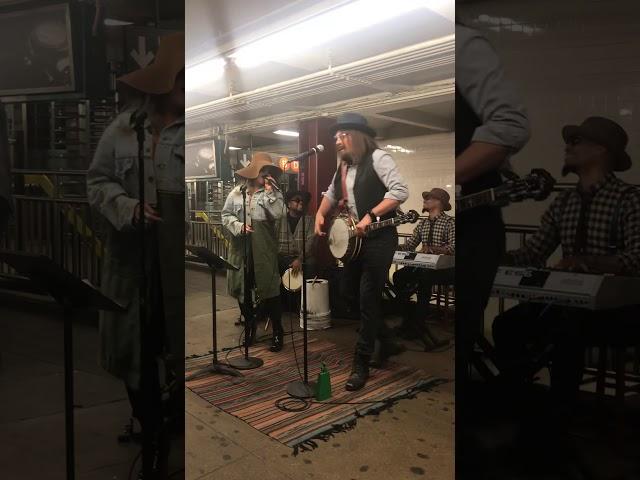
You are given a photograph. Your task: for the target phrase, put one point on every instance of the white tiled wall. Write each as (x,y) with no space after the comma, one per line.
(569,60)
(429,165)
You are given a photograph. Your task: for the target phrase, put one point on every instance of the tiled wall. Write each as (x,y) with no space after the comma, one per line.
(569,60)
(429,164)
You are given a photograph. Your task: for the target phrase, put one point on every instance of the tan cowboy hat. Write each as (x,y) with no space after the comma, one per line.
(259,160)
(160,76)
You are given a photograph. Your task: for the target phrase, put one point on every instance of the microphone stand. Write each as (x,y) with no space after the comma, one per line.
(303,388)
(246,362)
(149,425)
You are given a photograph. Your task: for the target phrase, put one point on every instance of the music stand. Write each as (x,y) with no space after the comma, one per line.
(215,263)
(72,294)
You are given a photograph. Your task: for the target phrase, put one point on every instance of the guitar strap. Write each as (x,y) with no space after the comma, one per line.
(342,204)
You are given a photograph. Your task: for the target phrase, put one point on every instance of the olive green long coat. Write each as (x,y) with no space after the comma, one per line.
(265,210)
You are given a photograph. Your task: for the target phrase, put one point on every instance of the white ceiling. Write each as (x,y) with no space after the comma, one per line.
(398,73)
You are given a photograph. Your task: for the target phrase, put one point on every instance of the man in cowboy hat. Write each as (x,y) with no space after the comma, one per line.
(437,234)
(264,207)
(368,186)
(112,189)
(597,226)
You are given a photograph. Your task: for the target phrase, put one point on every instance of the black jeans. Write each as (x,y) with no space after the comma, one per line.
(480,246)
(408,278)
(365,278)
(524,332)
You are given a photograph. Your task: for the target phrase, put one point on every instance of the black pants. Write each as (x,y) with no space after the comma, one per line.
(530,333)
(364,278)
(267,307)
(480,244)
(407,279)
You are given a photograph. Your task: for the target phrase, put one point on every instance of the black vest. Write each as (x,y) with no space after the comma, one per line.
(466,123)
(368,188)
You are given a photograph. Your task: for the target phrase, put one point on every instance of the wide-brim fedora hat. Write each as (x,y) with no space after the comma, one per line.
(259,160)
(352,121)
(605,132)
(439,194)
(160,76)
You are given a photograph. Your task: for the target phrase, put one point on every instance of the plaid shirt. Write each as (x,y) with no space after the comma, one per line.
(609,199)
(291,244)
(444,233)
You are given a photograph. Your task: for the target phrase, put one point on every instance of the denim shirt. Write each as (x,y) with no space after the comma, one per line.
(112,178)
(263,206)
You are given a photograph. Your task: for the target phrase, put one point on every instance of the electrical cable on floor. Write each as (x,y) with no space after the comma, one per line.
(288,404)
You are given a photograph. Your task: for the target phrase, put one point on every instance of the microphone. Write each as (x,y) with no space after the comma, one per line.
(273,183)
(137,119)
(308,153)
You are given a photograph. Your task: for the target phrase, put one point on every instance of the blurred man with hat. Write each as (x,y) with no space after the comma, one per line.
(368,186)
(597,226)
(264,208)
(437,233)
(112,189)
(290,233)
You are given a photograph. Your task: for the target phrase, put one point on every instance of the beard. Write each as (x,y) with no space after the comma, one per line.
(348,157)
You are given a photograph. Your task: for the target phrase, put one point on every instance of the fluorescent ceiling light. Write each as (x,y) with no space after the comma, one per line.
(398,148)
(235,148)
(323,28)
(203,73)
(112,22)
(287,133)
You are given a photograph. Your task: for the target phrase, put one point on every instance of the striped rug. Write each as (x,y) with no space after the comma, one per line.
(252,398)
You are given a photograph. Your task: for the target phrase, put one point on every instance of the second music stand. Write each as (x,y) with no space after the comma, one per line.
(72,294)
(215,263)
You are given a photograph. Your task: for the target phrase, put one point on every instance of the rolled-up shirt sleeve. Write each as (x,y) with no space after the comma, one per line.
(330,194)
(389,174)
(481,81)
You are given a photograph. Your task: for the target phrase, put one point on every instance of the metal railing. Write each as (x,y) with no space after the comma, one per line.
(53,218)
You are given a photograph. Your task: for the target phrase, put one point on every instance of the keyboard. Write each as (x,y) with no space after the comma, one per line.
(583,290)
(424,260)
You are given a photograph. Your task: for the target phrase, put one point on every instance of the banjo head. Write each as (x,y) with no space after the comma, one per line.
(339,235)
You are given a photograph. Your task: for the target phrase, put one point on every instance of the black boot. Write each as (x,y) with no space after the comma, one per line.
(383,350)
(277,340)
(359,372)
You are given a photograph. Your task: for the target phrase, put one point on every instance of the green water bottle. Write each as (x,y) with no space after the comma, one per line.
(323,385)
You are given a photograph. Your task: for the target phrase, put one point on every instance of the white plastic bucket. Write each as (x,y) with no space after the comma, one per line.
(318,310)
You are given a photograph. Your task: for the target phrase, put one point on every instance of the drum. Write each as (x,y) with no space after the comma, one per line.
(291,281)
(344,244)
(318,310)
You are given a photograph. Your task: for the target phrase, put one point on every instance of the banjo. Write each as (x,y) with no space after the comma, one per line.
(537,186)
(345,244)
